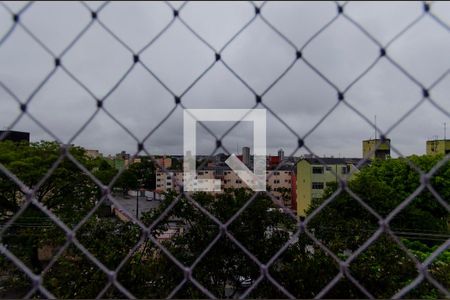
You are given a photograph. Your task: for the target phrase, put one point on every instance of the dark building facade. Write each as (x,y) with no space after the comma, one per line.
(15,136)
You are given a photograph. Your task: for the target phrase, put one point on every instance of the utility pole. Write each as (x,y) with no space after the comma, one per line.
(138,190)
(375,127)
(137,203)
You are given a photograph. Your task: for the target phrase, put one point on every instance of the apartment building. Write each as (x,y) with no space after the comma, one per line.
(91,153)
(436,147)
(376,148)
(171,180)
(313,175)
(279,182)
(164,161)
(15,136)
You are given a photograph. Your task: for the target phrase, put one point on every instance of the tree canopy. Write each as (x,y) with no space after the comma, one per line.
(303,269)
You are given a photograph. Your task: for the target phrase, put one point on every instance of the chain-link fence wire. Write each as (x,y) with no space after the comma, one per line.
(302,225)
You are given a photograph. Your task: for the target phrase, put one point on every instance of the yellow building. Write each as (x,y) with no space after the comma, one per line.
(435,147)
(381,149)
(313,175)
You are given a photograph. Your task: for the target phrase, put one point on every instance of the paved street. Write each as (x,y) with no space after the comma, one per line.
(129,204)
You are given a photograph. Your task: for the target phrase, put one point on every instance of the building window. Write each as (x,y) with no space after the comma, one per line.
(317,170)
(328,168)
(159,179)
(238,181)
(317,185)
(200,173)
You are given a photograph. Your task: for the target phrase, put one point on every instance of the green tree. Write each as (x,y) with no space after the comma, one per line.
(304,269)
(226,271)
(74,275)
(144,172)
(67,192)
(344,225)
(103,171)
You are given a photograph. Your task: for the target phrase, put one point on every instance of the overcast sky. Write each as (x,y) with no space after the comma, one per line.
(258,55)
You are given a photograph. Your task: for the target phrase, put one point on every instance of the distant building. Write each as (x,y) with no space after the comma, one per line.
(435,147)
(120,160)
(123,155)
(15,136)
(134,160)
(313,175)
(281,154)
(164,162)
(246,156)
(294,190)
(221,157)
(279,182)
(93,153)
(166,181)
(172,180)
(116,163)
(272,162)
(124,160)
(381,148)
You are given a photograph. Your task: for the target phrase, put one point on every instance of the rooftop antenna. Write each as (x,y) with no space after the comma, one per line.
(445,131)
(375,127)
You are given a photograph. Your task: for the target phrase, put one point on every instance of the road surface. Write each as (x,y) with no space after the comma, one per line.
(129,203)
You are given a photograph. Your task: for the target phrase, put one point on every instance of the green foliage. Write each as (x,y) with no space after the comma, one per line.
(177,164)
(140,174)
(145,173)
(74,275)
(303,269)
(103,171)
(383,186)
(70,194)
(344,225)
(225,270)
(68,191)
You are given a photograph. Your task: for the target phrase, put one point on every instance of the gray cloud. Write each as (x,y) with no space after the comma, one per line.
(258,55)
